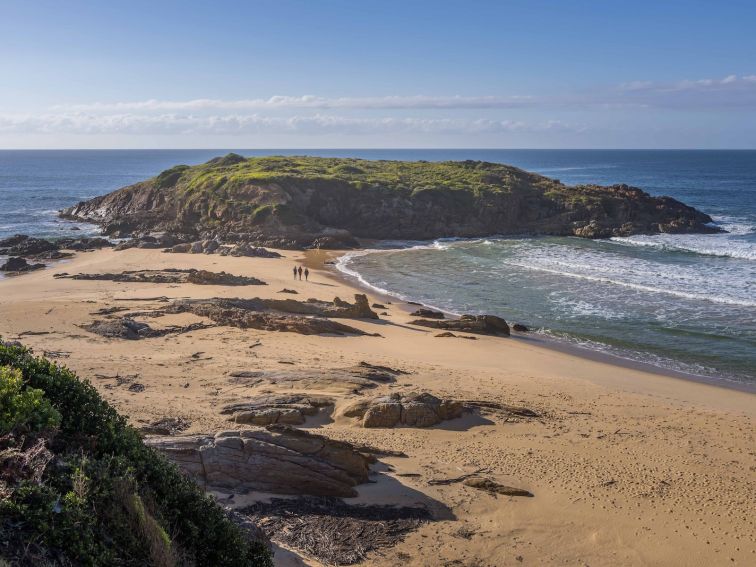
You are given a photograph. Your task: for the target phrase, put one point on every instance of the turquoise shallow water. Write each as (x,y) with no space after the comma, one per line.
(686,302)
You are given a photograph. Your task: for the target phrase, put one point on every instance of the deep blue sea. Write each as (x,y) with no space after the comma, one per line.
(684,302)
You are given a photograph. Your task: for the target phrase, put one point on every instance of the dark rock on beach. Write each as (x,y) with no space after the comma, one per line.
(476,324)
(427,314)
(30,247)
(19,265)
(173,276)
(80,244)
(127,328)
(22,245)
(353,379)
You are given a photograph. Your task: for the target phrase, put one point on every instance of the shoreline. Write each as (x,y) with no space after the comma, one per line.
(315,259)
(608,442)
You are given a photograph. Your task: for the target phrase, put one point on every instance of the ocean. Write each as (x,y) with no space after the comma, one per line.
(681,302)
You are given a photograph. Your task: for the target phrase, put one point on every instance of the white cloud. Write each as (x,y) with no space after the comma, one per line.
(306,101)
(731,90)
(242,124)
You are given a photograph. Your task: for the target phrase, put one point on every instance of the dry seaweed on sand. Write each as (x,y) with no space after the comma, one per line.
(332,531)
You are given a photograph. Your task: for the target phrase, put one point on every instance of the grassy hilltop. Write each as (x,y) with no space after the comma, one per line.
(308,201)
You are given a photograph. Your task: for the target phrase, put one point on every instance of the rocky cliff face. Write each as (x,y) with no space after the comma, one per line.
(325,202)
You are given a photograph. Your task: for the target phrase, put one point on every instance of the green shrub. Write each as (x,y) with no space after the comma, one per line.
(82,511)
(23,408)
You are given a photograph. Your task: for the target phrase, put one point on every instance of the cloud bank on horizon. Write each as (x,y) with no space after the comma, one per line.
(317,116)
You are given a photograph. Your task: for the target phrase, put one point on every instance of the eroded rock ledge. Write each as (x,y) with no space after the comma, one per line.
(278,459)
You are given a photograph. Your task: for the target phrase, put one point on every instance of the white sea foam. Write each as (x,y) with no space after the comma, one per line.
(728,245)
(343,265)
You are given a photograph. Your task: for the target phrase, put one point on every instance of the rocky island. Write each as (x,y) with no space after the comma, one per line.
(311,202)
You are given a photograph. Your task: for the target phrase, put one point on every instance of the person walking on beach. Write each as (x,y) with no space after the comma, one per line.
(295,272)
(307,274)
(300,272)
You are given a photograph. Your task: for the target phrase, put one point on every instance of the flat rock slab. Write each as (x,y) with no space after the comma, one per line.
(292,409)
(278,459)
(310,317)
(171,276)
(422,410)
(352,379)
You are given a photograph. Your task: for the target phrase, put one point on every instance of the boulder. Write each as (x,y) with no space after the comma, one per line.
(277,458)
(427,314)
(19,265)
(383,412)
(411,410)
(520,328)
(477,324)
(311,316)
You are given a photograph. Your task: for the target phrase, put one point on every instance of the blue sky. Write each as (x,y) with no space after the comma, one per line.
(535,74)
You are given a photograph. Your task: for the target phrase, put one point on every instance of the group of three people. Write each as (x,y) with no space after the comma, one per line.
(298,272)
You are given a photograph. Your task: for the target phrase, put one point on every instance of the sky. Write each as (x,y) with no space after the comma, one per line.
(377,74)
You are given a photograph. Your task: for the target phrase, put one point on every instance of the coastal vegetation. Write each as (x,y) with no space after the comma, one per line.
(78,486)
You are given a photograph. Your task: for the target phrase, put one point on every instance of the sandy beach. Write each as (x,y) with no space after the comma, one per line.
(627,466)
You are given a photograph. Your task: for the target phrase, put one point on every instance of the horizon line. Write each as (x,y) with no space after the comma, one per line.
(293,148)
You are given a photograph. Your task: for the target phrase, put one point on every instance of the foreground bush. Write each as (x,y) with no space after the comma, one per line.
(78,486)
